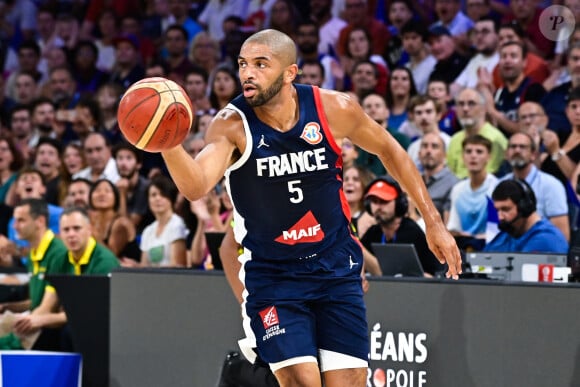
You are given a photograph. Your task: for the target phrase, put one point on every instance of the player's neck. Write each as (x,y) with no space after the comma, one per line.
(281,112)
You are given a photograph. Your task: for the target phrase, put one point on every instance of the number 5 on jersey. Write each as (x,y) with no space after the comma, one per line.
(296,195)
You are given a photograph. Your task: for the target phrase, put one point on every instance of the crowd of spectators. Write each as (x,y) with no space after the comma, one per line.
(472,89)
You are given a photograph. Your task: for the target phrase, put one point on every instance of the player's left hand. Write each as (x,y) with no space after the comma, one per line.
(443,245)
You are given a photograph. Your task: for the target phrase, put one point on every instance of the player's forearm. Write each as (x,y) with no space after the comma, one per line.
(186,173)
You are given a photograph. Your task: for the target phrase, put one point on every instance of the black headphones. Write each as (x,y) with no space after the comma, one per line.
(527,203)
(401,202)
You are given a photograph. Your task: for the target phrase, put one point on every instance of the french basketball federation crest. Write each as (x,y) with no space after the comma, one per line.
(311,133)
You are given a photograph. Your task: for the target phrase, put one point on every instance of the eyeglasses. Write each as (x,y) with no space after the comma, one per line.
(520,146)
(483,31)
(470,103)
(530,116)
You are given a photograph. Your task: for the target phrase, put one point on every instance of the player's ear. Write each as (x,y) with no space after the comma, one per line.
(291,72)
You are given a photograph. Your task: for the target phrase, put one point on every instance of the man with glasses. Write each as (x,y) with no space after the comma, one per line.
(550,193)
(485,41)
(533,120)
(470,109)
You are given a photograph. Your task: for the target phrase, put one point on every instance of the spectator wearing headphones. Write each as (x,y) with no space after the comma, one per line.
(389,205)
(522,229)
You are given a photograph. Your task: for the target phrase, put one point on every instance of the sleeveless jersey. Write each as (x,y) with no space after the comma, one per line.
(286,188)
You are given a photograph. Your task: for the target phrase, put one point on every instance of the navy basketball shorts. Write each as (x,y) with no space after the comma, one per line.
(306,312)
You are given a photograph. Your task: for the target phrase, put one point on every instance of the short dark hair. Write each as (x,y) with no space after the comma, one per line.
(515,27)
(362,62)
(417,27)
(177,27)
(199,71)
(124,145)
(87,43)
(18,108)
(40,101)
(307,22)
(436,78)
(53,142)
(522,47)
(573,95)
(234,19)
(30,44)
(81,180)
(316,63)
(166,187)
(37,207)
(518,191)
(94,108)
(477,139)
(494,21)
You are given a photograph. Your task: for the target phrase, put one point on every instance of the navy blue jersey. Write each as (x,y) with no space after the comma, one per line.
(287,187)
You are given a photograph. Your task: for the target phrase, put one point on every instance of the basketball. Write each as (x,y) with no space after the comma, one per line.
(155,114)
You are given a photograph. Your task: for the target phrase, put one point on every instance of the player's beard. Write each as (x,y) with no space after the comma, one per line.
(264,96)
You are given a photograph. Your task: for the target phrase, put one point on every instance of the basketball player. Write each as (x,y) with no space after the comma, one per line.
(303,300)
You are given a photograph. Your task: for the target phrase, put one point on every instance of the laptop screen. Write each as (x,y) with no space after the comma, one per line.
(398,259)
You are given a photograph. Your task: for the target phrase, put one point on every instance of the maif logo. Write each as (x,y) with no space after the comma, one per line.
(311,133)
(306,230)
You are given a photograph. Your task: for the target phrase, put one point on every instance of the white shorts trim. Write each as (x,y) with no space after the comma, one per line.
(293,361)
(330,360)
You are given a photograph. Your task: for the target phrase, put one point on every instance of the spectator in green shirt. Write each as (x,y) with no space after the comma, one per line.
(48,255)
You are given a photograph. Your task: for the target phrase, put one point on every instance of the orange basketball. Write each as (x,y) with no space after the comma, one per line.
(155,114)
